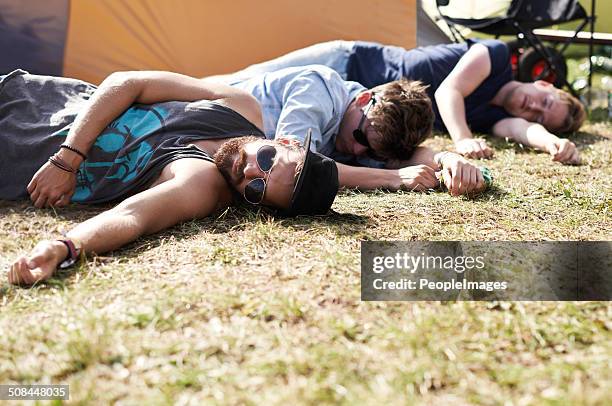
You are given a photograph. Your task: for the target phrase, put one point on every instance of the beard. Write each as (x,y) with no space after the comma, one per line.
(227,153)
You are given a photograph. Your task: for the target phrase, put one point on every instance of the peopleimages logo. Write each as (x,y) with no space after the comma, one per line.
(426,284)
(411,263)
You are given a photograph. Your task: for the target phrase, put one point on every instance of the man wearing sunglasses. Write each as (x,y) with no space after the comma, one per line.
(373,134)
(290,178)
(470,84)
(146,141)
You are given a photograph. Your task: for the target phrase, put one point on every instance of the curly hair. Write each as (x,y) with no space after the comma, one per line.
(403,116)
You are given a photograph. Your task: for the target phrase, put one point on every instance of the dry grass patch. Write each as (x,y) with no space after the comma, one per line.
(242,308)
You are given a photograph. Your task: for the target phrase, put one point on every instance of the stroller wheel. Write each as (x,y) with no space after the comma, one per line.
(516,51)
(533,66)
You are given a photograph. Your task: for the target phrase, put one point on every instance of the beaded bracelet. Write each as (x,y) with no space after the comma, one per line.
(73,149)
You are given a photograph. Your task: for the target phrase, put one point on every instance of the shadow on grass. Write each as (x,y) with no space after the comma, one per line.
(584,138)
(342,224)
(74,212)
(4,290)
(501,144)
(238,218)
(493,192)
(226,222)
(599,115)
(581,138)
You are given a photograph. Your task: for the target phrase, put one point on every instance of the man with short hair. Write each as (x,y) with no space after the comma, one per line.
(471,87)
(375,131)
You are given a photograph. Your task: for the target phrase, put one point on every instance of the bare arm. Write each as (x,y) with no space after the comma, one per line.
(178,199)
(420,156)
(417,178)
(416,174)
(534,135)
(120,90)
(471,70)
(115,95)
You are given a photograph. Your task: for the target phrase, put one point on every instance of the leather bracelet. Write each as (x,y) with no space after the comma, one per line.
(58,165)
(61,164)
(73,149)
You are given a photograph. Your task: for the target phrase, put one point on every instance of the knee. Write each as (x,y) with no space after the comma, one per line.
(340,45)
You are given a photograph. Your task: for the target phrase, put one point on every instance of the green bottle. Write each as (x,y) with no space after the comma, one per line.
(487,175)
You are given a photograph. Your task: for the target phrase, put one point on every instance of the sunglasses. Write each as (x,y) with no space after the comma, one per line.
(255,189)
(360,136)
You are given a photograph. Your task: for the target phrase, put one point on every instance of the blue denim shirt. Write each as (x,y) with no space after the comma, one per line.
(298,98)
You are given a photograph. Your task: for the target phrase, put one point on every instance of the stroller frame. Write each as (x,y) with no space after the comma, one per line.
(534,41)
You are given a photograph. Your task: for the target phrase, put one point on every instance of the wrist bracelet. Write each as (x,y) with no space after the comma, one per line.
(74,253)
(73,149)
(61,164)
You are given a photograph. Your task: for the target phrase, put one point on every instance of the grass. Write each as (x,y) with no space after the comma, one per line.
(245,309)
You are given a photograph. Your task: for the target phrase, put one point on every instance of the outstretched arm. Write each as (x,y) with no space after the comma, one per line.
(414,178)
(534,135)
(416,174)
(469,73)
(52,186)
(177,199)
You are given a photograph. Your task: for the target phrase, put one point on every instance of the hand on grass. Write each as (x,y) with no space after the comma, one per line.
(473,148)
(460,175)
(564,151)
(39,264)
(417,178)
(51,186)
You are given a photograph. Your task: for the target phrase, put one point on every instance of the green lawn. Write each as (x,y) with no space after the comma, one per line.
(246,309)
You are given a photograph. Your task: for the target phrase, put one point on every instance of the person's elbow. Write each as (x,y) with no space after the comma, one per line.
(124,81)
(444,93)
(439,93)
(121,77)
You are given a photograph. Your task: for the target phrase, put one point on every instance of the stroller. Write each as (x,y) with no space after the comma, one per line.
(531,59)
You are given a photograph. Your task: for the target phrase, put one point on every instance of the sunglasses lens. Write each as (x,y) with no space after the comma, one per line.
(265,157)
(374,156)
(254,191)
(361,138)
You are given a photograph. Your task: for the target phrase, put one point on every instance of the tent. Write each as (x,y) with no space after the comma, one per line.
(88,39)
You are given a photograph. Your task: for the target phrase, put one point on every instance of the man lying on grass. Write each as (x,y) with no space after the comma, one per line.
(146,140)
(376,132)
(97,146)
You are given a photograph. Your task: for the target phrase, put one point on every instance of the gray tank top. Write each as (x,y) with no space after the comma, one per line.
(36,113)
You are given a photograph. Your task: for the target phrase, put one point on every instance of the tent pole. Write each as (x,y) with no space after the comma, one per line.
(591,52)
